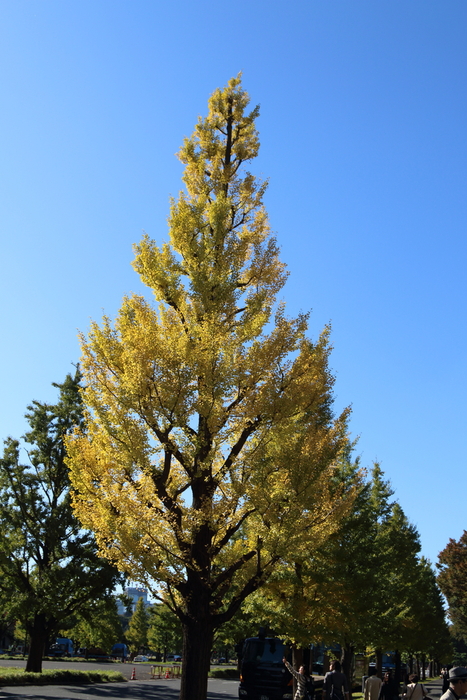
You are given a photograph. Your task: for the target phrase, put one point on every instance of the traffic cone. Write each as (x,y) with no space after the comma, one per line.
(167,674)
(133,674)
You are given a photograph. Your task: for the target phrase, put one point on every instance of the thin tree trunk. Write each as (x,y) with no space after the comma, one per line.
(397,670)
(197,644)
(38,640)
(307,661)
(346,660)
(379,663)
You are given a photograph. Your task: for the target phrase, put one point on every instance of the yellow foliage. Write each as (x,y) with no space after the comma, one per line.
(211,451)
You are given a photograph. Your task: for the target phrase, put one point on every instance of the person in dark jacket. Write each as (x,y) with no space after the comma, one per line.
(445,679)
(335,683)
(388,690)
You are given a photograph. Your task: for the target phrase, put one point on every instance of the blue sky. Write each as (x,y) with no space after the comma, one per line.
(363,132)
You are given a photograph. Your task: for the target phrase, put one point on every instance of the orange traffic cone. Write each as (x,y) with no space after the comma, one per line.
(133,674)
(167,674)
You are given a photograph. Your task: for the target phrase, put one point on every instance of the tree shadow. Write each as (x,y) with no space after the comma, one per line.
(109,691)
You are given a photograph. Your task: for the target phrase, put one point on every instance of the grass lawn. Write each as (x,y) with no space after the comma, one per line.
(16,676)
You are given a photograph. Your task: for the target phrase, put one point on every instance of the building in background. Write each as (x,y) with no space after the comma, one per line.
(135,594)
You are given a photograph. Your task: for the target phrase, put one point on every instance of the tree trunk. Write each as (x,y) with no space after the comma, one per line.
(197,644)
(379,663)
(307,661)
(38,640)
(397,670)
(346,660)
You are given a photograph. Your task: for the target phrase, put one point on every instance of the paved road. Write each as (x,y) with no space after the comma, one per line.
(140,689)
(433,688)
(134,690)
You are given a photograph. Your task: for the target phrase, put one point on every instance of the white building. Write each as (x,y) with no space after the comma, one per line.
(135,594)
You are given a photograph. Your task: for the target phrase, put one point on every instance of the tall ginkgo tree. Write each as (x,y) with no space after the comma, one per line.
(211,448)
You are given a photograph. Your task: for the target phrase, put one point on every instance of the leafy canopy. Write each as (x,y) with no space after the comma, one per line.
(49,567)
(211,447)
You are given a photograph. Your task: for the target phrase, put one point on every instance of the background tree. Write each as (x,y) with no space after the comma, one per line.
(7,630)
(452,579)
(425,631)
(137,632)
(364,587)
(165,630)
(305,600)
(211,443)
(49,567)
(228,639)
(97,625)
(351,566)
(327,595)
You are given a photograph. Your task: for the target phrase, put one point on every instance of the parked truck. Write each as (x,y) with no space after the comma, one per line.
(62,647)
(262,671)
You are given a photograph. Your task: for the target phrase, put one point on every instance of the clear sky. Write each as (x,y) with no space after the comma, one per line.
(363,132)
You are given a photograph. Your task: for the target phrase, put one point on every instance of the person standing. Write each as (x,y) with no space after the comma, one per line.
(372,686)
(457,683)
(445,679)
(415,690)
(301,678)
(335,683)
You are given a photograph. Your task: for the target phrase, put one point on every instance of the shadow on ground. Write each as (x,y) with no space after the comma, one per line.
(109,691)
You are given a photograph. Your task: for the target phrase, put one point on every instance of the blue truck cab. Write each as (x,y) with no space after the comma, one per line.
(62,647)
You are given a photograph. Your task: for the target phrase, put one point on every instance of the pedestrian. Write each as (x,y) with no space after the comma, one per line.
(415,690)
(388,689)
(405,685)
(335,683)
(372,685)
(457,683)
(445,678)
(302,681)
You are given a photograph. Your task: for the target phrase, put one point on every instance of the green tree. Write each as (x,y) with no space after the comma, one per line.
(137,632)
(351,566)
(211,444)
(303,594)
(97,625)
(228,640)
(165,630)
(364,586)
(326,595)
(49,567)
(452,579)
(425,631)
